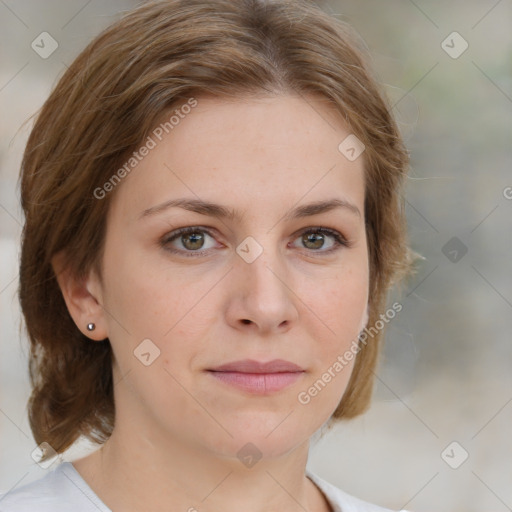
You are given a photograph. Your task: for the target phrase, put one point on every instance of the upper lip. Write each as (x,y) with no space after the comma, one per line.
(252,366)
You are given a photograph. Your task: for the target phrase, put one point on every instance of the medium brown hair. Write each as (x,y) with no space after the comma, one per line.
(105,104)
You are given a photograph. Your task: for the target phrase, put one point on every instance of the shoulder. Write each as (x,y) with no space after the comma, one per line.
(60,490)
(341,501)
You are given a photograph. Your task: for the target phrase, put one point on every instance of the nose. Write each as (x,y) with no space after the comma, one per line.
(261,294)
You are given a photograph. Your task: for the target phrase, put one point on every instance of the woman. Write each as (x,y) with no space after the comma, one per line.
(214,218)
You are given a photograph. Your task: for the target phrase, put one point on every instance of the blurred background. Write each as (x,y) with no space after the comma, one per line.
(435,437)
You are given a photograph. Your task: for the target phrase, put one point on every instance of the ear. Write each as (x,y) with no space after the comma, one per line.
(366,317)
(83,298)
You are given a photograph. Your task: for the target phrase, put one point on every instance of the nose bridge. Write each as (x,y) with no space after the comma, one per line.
(262,281)
(262,260)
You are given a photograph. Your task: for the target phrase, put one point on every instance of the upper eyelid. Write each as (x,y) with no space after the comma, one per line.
(212,230)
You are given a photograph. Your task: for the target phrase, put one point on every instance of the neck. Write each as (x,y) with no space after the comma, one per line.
(136,471)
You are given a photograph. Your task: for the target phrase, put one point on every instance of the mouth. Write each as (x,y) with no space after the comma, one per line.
(257,377)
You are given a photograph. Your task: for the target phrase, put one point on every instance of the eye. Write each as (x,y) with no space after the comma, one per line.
(191,240)
(315,238)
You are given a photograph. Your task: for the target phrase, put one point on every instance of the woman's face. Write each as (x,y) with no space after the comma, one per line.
(256,285)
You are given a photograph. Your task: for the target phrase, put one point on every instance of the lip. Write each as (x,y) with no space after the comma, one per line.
(260,378)
(252,366)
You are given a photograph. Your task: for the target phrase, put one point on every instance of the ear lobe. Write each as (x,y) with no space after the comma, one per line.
(82,305)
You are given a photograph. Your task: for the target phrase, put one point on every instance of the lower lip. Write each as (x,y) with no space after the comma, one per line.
(258,383)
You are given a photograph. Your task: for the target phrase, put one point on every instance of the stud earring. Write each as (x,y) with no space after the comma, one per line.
(91,327)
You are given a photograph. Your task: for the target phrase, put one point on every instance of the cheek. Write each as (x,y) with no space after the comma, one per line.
(338,311)
(142,297)
(163,308)
(341,302)
(140,305)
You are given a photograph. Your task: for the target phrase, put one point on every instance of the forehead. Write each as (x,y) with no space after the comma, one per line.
(246,151)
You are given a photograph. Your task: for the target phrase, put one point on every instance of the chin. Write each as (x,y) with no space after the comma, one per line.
(272,435)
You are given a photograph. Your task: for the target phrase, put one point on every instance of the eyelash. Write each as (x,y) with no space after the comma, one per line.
(339,240)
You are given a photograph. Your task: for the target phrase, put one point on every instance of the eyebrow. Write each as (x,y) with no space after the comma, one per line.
(222,212)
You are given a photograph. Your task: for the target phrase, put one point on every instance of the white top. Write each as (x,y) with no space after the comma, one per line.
(63,489)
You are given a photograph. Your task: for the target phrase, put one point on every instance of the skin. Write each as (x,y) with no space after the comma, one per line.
(178,429)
